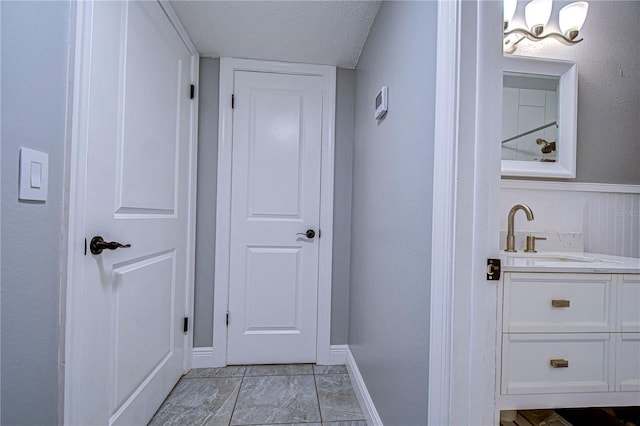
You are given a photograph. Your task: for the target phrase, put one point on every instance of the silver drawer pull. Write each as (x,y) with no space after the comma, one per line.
(560,303)
(559,363)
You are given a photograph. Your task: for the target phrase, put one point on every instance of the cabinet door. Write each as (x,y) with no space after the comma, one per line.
(628,304)
(628,362)
(557,303)
(556,363)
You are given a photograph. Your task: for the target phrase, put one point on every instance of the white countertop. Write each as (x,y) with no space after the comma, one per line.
(568,262)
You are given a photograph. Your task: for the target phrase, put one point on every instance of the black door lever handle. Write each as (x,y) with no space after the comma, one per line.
(98,244)
(310,233)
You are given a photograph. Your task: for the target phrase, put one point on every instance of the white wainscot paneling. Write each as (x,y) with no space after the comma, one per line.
(607,215)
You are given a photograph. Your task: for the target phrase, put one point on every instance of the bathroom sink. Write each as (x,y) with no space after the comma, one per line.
(559,259)
(555,257)
(568,262)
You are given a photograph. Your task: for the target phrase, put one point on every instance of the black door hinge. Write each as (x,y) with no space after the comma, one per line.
(192,92)
(227,318)
(233,101)
(493,269)
(185,326)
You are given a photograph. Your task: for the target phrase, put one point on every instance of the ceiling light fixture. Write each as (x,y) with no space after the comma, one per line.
(536,16)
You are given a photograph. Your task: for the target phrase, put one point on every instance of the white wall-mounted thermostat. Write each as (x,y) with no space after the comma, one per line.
(381,103)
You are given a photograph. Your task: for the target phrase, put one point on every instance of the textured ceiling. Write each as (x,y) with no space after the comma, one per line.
(317,32)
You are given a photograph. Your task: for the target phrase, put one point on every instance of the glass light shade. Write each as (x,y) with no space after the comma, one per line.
(509,9)
(537,13)
(572,16)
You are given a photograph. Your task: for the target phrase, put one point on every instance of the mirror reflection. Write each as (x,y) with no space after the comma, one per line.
(530,117)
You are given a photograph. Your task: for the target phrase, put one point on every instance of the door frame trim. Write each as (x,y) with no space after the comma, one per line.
(443,225)
(228,66)
(465,222)
(75,178)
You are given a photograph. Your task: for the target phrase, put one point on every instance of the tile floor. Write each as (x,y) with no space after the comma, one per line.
(294,394)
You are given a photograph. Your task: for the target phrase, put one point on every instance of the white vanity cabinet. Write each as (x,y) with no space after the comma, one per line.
(628,356)
(568,340)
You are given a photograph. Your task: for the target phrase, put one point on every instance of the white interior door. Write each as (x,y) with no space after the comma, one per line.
(128,342)
(273,284)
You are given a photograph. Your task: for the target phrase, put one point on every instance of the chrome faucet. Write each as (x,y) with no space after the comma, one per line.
(511,238)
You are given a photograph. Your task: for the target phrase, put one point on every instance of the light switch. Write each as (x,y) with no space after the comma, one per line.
(34,175)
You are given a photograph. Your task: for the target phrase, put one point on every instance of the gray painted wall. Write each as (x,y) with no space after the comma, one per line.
(391,219)
(35,37)
(207,169)
(608,102)
(206,208)
(345,104)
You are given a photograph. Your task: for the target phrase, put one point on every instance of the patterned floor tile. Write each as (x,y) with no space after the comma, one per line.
(337,400)
(329,369)
(199,402)
(230,371)
(278,370)
(276,399)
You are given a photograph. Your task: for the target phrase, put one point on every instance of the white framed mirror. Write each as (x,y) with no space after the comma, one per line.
(539,117)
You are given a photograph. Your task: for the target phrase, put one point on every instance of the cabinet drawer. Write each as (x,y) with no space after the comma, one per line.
(628,362)
(629,300)
(527,363)
(557,303)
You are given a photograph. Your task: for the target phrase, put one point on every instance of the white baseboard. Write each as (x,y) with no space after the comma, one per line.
(366,403)
(205,358)
(208,358)
(338,355)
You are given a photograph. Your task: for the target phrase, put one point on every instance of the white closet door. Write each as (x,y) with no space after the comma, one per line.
(273,289)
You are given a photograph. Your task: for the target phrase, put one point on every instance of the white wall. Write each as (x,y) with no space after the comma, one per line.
(391,211)
(35,44)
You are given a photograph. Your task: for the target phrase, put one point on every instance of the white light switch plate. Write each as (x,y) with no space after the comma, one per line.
(34,175)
